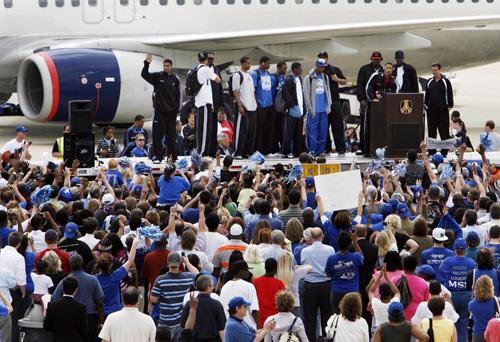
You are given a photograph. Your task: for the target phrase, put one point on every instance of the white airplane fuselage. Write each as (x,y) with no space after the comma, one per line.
(27,28)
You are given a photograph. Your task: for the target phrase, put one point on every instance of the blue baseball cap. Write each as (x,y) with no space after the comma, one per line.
(21,129)
(320,62)
(376,218)
(65,194)
(403,210)
(472,237)
(427,270)
(309,182)
(76,181)
(396,308)
(387,210)
(394,202)
(437,158)
(70,230)
(238,301)
(460,244)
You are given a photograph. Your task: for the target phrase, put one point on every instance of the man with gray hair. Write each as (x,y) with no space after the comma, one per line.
(277,248)
(306,242)
(224,147)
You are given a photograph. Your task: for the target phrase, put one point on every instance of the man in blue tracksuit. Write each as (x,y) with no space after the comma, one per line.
(318,103)
(265,111)
(278,82)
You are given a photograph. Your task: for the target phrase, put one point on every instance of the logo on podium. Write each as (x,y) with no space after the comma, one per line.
(406,107)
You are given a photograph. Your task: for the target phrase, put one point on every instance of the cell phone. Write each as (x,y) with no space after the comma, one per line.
(183,254)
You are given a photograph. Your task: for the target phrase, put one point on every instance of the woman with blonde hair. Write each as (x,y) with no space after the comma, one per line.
(290,276)
(385,242)
(294,232)
(54,270)
(113,175)
(403,241)
(483,307)
(253,257)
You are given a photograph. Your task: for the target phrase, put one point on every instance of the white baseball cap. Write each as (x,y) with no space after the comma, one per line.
(3,183)
(108,199)
(439,234)
(236,230)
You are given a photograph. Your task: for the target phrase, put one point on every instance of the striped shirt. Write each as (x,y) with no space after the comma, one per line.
(111,146)
(171,289)
(222,254)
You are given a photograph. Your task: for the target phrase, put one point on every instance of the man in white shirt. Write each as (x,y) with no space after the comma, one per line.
(19,143)
(90,225)
(243,91)
(470,218)
(128,324)
(213,240)
(206,119)
(14,262)
(242,288)
(494,217)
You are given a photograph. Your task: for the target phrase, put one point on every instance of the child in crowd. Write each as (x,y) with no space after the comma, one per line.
(489,138)
(43,283)
(461,132)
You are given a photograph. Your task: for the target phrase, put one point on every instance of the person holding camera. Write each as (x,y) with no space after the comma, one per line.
(19,144)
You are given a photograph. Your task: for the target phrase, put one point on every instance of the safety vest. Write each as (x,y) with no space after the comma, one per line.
(60,145)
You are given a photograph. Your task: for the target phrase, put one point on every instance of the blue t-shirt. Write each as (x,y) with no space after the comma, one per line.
(482,311)
(3,311)
(277,83)
(344,270)
(263,88)
(311,200)
(111,287)
(114,177)
(454,272)
(238,331)
(139,152)
(4,235)
(29,259)
(435,256)
(320,92)
(170,191)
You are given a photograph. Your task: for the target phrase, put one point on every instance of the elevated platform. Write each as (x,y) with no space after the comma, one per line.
(344,164)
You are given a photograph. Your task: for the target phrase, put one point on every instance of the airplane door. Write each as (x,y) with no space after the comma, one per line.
(125,11)
(93,11)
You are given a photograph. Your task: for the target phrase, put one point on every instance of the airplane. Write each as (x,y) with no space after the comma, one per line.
(55,51)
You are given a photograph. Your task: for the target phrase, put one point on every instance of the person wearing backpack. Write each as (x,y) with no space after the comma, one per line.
(278,81)
(167,101)
(335,119)
(293,95)
(243,91)
(289,328)
(198,84)
(265,111)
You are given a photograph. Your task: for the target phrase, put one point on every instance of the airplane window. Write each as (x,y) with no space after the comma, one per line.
(214,2)
(181,2)
(299,1)
(490,1)
(429,1)
(59,3)
(281,2)
(124,2)
(163,2)
(399,1)
(383,1)
(414,1)
(7,3)
(368,1)
(333,1)
(75,3)
(351,1)
(247,2)
(315,1)
(198,2)
(264,2)
(92,3)
(230,2)
(42,3)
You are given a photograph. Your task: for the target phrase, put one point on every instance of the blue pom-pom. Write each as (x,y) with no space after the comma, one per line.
(151,232)
(446,172)
(485,140)
(294,174)
(380,152)
(400,170)
(124,162)
(196,158)
(42,195)
(182,164)
(141,169)
(374,165)
(258,158)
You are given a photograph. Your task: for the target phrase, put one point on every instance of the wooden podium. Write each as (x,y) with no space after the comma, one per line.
(397,122)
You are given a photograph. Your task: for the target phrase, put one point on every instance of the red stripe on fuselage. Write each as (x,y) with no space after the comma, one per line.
(54,77)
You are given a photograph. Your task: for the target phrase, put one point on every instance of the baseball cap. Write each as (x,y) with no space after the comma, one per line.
(472,238)
(403,210)
(237,301)
(65,194)
(108,199)
(309,181)
(399,54)
(460,244)
(202,56)
(437,158)
(322,54)
(76,181)
(320,62)
(376,218)
(21,129)
(174,259)
(394,202)
(376,55)
(438,234)
(387,209)
(236,230)
(396,308)
(70,230)
(51,234)
(427,270)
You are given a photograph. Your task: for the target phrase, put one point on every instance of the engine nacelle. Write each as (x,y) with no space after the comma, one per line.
(48,80)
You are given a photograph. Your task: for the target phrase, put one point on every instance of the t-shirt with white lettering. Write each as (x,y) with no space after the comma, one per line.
(12,146)
(246,90)
(204,75)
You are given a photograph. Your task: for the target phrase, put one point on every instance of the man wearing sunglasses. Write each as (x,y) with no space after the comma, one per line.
(140,147)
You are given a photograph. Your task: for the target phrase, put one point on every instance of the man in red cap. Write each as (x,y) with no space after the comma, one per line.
(364,74)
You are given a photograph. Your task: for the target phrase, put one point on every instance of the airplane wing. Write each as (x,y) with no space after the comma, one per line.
(231,40)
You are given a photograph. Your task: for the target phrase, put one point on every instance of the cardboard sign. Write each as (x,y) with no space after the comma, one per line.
(309,170)
(339,190)
(325,169)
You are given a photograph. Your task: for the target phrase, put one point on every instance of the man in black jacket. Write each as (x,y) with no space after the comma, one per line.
(335,119)
(66,319)
(381,82)
(364,74)
(167,99)
(294,99)
(438,102)
(405,74)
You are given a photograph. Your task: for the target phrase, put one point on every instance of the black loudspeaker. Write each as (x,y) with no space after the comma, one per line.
(79,146)
(80,116)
